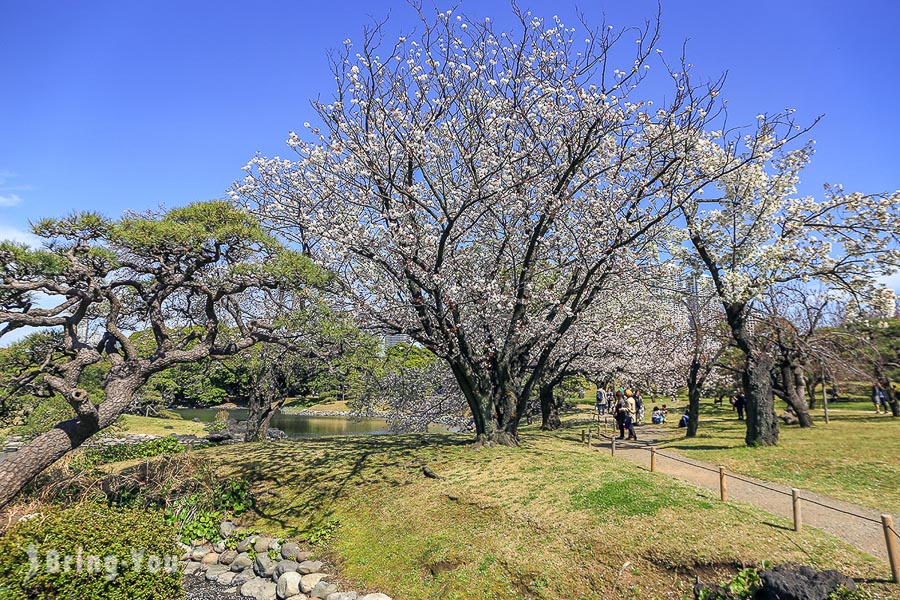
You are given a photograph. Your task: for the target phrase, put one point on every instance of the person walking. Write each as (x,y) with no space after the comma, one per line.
(602,402)
(740,403)
(621,411)
(638,408)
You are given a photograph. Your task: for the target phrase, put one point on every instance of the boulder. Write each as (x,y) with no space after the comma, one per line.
(192,568)
(274,545)
(226,578)
(342,596)
(241,561)
(290,550)
(246,543)
(219,547)
(308,582)
(309,566)
(258,589)
(227,557)
(323,589)
(264,566)
(303,555)
(792,581)
(242,576)
(200,551)
(288,584)
(213,572)
(226,529)
(262,544)
(210,558)
(285,566)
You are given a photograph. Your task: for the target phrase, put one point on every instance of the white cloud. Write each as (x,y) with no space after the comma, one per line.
(892,281)
(18,235)
(10,199)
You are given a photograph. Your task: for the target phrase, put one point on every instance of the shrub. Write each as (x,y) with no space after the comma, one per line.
(103,553)
(148,449)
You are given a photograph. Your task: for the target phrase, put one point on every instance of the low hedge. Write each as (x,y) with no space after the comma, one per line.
(90,552)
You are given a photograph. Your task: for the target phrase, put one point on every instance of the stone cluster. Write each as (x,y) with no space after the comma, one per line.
(263,568)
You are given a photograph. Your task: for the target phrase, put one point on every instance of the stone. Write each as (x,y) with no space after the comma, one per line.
(262,544)
(200,551)
(284,566)
(226,529)
(299,597)
(309,566)
(303,555)
(259,589)
(376,596)
(792,581)
(241,561)
(290,550)
(226,578)
(246,543)
(322,589)
(210,558)
(274,545)
(242,576)
(308,582)
(219,547)
(227,557)
(264,566)
(213,572)
(192,568)
(342,596)
(288,584)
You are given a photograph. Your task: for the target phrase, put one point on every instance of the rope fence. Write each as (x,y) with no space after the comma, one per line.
(891,536)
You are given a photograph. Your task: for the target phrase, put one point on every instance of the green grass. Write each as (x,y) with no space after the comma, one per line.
(854,457)
(157,426)
(547,520)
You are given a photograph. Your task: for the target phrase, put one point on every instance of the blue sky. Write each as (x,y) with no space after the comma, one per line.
(132,105)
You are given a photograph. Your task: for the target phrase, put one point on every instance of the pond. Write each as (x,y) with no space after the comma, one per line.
(298,426)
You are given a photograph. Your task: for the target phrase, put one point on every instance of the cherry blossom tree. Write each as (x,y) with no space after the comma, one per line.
(476,189)
(754,233)
(187,275)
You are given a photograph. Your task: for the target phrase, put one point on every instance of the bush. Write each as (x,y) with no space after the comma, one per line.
(90,552)
(148,449)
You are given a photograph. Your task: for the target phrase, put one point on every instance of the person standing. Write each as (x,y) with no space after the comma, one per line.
(601,401)
(740,403)
(638,408)
(877,395)
(621,411)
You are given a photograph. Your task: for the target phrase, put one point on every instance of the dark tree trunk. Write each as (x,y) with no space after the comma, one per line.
(549,408)
(795,392)
(19,469)
(494,406)
(762,424)
(264,403)
(694,387)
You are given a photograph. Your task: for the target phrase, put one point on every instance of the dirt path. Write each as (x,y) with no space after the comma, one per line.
(866,534)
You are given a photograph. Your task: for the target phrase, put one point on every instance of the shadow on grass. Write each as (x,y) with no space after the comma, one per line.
(298,483)
(777,526)
(699,447)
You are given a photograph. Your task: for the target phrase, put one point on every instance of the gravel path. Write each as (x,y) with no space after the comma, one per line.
(865,533)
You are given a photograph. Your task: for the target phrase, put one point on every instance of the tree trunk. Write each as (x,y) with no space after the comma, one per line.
(262,407)
(694,386)
(20,468)
(795,392)
(549,408)
(762,424)
(493,406)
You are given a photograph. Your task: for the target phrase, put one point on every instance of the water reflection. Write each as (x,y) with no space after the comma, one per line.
(299,426)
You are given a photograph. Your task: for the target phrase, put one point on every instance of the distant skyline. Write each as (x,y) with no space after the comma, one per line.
(110,106)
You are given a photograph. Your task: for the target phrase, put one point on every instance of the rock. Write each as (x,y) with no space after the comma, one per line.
(309,566)
(210,558)
(299,597)
(192,568)
(227,557)
(226,578)
(792,581)
(264,566)
(274,545)
(246,543)
(377,596)
(259,589)
(218,437)
(242,576)
(322,589)
(303,555)
(288,584)
(241,561)
(789,417)
(213,572)
(199,552)
(290,550)
(226,529)
(308,582)
(262,544)
(342,596)
(219,547)
(284,566)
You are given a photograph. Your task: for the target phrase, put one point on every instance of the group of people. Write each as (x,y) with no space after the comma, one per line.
(627,407)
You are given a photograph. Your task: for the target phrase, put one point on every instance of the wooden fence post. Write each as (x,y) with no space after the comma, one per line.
(723,492)
(798,516)
(612,446)
(652,459)
(890,538)
(582,436)
(589,439)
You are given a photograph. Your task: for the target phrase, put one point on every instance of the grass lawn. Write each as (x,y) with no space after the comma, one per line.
(157,426)
(854,458)
(547,520)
